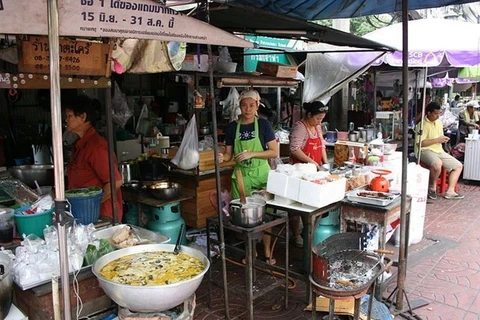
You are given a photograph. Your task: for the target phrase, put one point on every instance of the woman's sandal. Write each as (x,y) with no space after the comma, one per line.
(270,261)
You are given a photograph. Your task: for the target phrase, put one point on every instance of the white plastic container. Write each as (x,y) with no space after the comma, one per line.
(417,188)
(321,195)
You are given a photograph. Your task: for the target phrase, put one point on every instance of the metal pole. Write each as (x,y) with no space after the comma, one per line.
(56,116)
(402,265)
(279,105)
(111,160)
(217,171)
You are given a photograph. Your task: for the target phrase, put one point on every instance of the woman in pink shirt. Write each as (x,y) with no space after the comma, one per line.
(308,146)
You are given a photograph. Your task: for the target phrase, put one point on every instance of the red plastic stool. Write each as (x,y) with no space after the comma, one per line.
(442,181)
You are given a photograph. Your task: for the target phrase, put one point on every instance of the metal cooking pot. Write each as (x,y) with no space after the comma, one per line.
(43,173)
(205,130)
(353,136)
(164,190)
(129,171)
(149,298)
(6,282)
(152,169)
(247,215)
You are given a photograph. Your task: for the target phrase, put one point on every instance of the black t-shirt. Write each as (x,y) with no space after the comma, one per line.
(247,132)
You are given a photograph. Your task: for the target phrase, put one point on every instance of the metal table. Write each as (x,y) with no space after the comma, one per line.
(250,235)
(371,214)
(312,214)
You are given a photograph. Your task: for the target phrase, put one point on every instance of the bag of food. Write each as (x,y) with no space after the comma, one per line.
(187,156)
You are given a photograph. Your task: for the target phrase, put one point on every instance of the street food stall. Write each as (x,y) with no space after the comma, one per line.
(67,18)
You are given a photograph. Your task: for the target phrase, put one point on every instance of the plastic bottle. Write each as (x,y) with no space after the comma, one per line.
(351,156)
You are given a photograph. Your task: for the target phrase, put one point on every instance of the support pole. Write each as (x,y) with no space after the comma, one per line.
(217,171)
(111,150)
(402,262)
(57,143)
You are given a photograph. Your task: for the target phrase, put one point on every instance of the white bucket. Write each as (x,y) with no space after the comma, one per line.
(417,188)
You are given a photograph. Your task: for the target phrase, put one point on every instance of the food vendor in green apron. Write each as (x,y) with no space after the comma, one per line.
(250,141)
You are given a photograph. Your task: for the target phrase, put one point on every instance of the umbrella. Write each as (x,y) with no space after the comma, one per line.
(432,43)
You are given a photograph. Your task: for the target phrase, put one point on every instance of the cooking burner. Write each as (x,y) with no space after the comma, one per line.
(184,311)
(342,267)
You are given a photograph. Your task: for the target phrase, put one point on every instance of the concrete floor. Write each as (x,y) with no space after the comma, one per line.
(443,269)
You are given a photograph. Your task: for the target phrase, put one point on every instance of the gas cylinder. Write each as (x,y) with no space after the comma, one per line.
(165,220)
(130,213)
(325,227)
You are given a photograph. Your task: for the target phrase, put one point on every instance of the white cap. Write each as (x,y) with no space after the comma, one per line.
(472,103)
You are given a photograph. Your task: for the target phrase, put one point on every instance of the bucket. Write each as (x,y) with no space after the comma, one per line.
(85,204)
(32,223)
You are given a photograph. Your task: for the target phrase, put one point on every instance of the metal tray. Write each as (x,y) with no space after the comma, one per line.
(382,202)
(146,236)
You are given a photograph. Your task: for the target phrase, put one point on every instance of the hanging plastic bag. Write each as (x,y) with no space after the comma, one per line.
(187,155)
(121,112)
(231,105)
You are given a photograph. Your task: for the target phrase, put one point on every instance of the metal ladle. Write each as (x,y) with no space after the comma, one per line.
(176,250)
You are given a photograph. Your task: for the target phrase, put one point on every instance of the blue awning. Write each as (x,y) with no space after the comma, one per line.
(334,9)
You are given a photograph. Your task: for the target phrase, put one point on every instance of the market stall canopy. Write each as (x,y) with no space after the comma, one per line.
(140,19)
(432,43)
(328,72)
(334,9)
(253,20)
(472,73)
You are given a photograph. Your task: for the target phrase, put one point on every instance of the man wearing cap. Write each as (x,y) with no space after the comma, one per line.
(250,141)
(468,120)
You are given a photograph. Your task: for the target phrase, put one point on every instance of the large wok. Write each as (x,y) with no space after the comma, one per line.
(149,298)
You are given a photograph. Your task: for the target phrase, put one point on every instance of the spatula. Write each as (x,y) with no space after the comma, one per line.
(241,186)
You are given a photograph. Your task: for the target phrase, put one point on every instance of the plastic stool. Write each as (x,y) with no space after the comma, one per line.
(442,181)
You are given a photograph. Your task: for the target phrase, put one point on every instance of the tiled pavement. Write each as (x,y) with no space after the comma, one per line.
(443,269)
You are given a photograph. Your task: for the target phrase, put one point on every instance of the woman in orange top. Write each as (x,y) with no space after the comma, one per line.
(89,165)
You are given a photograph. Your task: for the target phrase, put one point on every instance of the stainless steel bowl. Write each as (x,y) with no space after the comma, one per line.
(149,298)
(165,190)
(43,173)
(247,215)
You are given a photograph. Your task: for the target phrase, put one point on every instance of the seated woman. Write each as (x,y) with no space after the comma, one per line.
(308,146)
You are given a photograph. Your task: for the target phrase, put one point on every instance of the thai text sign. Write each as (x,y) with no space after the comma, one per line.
(76,57)
(141,19)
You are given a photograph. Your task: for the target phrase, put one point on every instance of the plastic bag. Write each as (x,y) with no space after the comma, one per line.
(224,55)
(121,112)
(187,155)
(231,105)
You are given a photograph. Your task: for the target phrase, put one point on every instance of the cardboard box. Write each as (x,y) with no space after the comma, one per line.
(277,70)
(321,195)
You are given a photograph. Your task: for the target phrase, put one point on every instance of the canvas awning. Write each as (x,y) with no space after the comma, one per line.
(250,19)
(334,9)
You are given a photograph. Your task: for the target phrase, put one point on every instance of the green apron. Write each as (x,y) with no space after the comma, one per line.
(254,170)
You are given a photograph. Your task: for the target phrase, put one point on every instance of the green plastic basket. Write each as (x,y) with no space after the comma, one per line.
(32,223)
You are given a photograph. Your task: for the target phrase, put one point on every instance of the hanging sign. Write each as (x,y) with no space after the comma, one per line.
(141,19)
(76,57)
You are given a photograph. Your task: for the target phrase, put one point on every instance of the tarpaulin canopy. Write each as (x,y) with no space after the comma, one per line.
(432,43)
(238,18)
(334,9)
